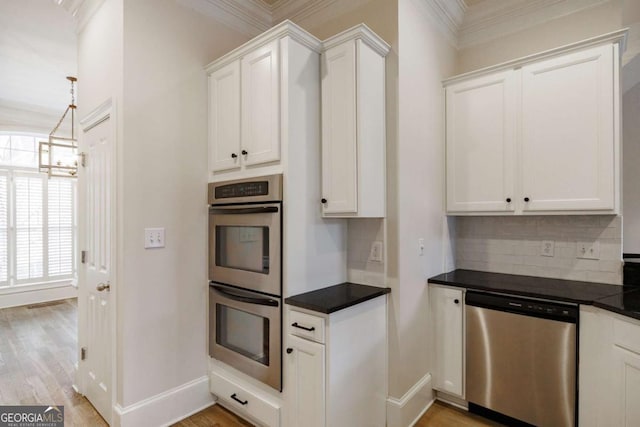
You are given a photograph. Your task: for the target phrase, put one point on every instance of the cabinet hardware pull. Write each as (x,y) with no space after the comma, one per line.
(508,199)
(234,156)
(323,201)
(295,325)
(244,152)
(526,199)
(289,350)
(242,402)
(456,301)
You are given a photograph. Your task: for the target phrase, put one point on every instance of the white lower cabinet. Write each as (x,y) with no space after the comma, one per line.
(342,379)
(305,367)
(447,308)
(609,369)
(247,401)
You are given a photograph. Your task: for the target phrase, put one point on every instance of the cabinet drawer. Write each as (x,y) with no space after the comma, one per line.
(626,335)
(306,326)
(232,395)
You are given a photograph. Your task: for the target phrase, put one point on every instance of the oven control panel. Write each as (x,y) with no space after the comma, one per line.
(250,190)
(243,189)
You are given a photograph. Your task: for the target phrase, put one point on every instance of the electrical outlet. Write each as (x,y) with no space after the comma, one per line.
(548,247)
(376,251)
(153,238)
(421,247)
(588,250)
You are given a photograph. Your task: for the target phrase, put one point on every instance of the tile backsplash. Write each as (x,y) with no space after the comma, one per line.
(513,245)
(361,234)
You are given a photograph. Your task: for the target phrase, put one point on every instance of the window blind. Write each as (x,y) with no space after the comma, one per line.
(29,228)
(60,227)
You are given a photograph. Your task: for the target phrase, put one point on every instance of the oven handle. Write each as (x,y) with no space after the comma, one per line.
(260,301)
(243,211)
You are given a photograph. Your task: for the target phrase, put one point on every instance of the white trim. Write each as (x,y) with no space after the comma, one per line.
(286,28)
(250,17)
(359,32)
(97,116)
(37,296)
(30,287)
(492,19)
(415,402)
(447,16)
(612,38)
(168,407)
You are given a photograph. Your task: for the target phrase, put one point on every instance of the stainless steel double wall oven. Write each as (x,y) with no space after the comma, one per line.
(245,276)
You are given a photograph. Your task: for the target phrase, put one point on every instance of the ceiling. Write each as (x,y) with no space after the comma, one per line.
(38,49)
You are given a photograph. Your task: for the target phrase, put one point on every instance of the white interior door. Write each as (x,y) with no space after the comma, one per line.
(96,237)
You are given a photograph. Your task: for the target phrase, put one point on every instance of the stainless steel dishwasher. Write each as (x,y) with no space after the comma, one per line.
(521,358)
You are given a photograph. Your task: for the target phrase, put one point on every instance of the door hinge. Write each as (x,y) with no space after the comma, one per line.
(83,257)
(83,353)
(83,159)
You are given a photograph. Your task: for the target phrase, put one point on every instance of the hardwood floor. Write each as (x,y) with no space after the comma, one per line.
(37,356)
(439,415)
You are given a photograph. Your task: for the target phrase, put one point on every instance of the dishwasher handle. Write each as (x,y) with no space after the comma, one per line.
(563,312)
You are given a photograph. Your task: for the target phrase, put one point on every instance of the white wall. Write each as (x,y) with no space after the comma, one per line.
(163,292)
(416,210)
(631,171)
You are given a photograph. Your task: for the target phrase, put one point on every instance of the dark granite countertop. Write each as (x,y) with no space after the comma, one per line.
(626,303)
(337,297)
(530,286)
(624,300)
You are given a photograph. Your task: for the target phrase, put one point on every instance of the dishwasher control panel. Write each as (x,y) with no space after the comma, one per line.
(530,307)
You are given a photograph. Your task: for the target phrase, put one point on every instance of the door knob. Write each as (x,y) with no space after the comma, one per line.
(102,287)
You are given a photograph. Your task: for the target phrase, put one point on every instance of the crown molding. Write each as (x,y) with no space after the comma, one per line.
(359,32)
(492,19)
(285,28)
(619,36)
(447,15)
(250,17)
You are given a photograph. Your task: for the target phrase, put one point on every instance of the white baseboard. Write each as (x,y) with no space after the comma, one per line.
(166,408)
(26,296)
(407,410)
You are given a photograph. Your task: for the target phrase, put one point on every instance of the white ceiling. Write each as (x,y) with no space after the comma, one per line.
(38,49)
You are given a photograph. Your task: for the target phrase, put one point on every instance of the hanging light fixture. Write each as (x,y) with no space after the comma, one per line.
(59,155)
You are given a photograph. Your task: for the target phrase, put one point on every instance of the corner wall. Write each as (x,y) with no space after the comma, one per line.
(163,154)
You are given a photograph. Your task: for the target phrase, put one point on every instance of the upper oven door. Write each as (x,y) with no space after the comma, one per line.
(244,246)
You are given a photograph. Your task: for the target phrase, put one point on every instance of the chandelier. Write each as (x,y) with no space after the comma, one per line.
(59,155)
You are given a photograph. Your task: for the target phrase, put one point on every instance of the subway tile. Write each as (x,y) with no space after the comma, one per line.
(604,277)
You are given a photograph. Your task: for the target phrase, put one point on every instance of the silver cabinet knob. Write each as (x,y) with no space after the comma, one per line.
(102,287)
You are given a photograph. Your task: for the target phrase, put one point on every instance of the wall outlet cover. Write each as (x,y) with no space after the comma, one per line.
(376,251)
(153,238)
(548,247)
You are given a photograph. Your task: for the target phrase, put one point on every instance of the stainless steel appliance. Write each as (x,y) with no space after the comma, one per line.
(245,332)
(245,221)
(245,276)
(521,358)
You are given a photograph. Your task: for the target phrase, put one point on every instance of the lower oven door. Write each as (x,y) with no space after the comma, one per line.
(245,332)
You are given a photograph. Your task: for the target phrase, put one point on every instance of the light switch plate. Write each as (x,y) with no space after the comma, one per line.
(588,250)
(153,238)
(548,246)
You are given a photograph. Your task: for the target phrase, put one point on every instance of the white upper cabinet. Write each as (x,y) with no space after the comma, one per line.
(568,132)
(539,135)
(353,124)
(224,117)
(261,105)
(255,97)
(480,151)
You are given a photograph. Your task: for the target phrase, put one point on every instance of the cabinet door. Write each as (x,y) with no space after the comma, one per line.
(626,393)
(306,380)
(480,116)
(261,105)
(339,149)
(568,132)
(448,344)
(224,118)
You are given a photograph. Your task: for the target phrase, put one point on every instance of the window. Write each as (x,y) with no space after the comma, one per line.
(37,217)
